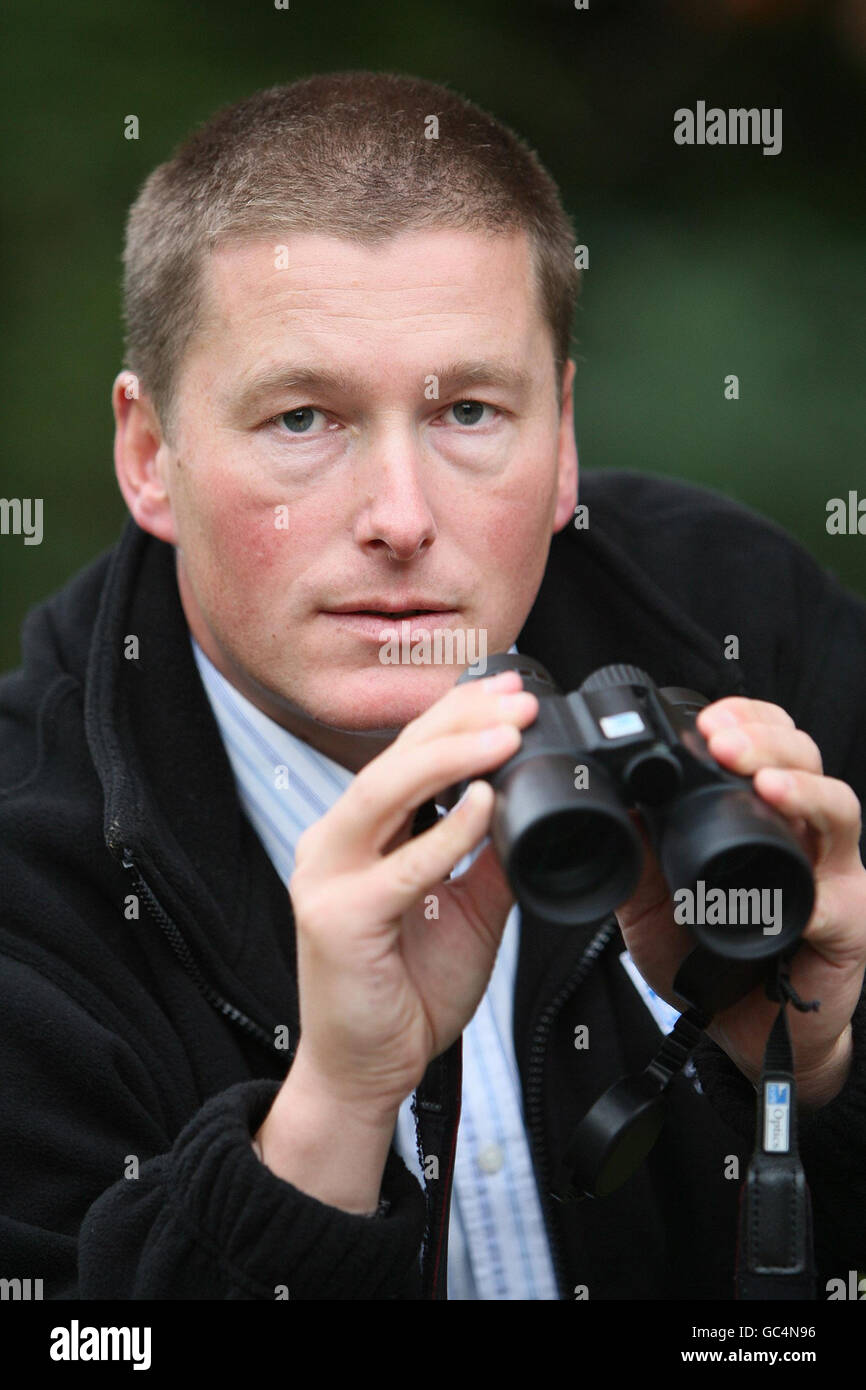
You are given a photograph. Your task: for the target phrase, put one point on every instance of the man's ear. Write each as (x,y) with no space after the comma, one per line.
(141,459)
(566,496)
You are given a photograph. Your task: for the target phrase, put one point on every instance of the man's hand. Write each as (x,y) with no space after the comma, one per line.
(757,739)
(388,978)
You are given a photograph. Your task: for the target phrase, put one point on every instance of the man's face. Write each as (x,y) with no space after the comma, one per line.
(363,490)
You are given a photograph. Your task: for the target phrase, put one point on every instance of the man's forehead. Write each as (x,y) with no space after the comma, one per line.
(433,291)
(412,273)
(405,256)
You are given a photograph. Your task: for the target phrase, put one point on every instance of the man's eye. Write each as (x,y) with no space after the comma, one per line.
(468,412)
(299,421)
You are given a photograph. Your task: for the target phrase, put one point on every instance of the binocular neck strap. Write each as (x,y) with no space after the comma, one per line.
(775,1257)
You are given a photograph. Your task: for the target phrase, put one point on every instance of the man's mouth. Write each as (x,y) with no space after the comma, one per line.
(393,612)
(374,620)
(385,608)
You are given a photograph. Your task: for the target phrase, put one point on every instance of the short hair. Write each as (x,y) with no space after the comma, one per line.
(345,154)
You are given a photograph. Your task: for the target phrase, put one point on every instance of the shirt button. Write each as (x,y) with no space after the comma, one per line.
(490,1158)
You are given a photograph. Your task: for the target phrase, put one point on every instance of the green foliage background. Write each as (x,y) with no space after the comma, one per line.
(703,261)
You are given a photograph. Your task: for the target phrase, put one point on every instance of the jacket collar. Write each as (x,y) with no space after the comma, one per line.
(596,606)
(169,790)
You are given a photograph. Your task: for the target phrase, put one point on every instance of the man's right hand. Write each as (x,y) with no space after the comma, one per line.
(385,987)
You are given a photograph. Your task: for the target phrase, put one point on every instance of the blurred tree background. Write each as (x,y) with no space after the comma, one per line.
(703,261)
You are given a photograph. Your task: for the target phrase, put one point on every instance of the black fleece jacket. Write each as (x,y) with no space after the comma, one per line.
(147,946)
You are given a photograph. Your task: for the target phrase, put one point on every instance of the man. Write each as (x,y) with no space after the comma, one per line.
(347,404)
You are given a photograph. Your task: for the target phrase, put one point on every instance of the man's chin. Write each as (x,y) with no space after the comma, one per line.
(387,701)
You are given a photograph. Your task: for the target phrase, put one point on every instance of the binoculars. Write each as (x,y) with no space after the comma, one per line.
(563,822)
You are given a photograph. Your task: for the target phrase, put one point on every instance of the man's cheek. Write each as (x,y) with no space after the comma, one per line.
(513,541)
(247,553)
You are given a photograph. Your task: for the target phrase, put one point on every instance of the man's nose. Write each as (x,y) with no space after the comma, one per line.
(395,514)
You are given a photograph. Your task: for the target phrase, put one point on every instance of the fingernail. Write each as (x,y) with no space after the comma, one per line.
(495,737)
(503,678)
(511,702)
(774,780)
(471,796)
(717,719)
(729,741)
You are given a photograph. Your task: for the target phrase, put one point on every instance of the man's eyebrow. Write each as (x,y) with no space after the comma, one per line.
(480,373)
(273,379)
(451,377)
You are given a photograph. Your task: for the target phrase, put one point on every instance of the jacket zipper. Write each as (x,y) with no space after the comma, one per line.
(178,944)
(535,1073)
(536,1057)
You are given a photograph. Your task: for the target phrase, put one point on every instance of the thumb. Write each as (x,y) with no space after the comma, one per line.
(483,893)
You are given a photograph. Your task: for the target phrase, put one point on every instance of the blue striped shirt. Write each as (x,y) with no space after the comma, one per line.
(498,1245)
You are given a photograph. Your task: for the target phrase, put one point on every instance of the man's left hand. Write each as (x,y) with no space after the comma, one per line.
(760,740)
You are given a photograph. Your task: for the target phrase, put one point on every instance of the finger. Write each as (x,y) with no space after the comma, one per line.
(837,928)
(474,705)
(480,706)
(373,808)
(398,881)
(484,893)
(737,709)
(751,746)
(830,808)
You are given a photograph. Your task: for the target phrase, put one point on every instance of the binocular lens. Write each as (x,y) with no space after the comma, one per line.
(571,856)
(752,885)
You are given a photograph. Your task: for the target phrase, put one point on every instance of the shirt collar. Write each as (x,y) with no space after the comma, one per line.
(284,784)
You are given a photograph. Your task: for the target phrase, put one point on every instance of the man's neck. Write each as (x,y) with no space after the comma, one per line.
(348,747)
